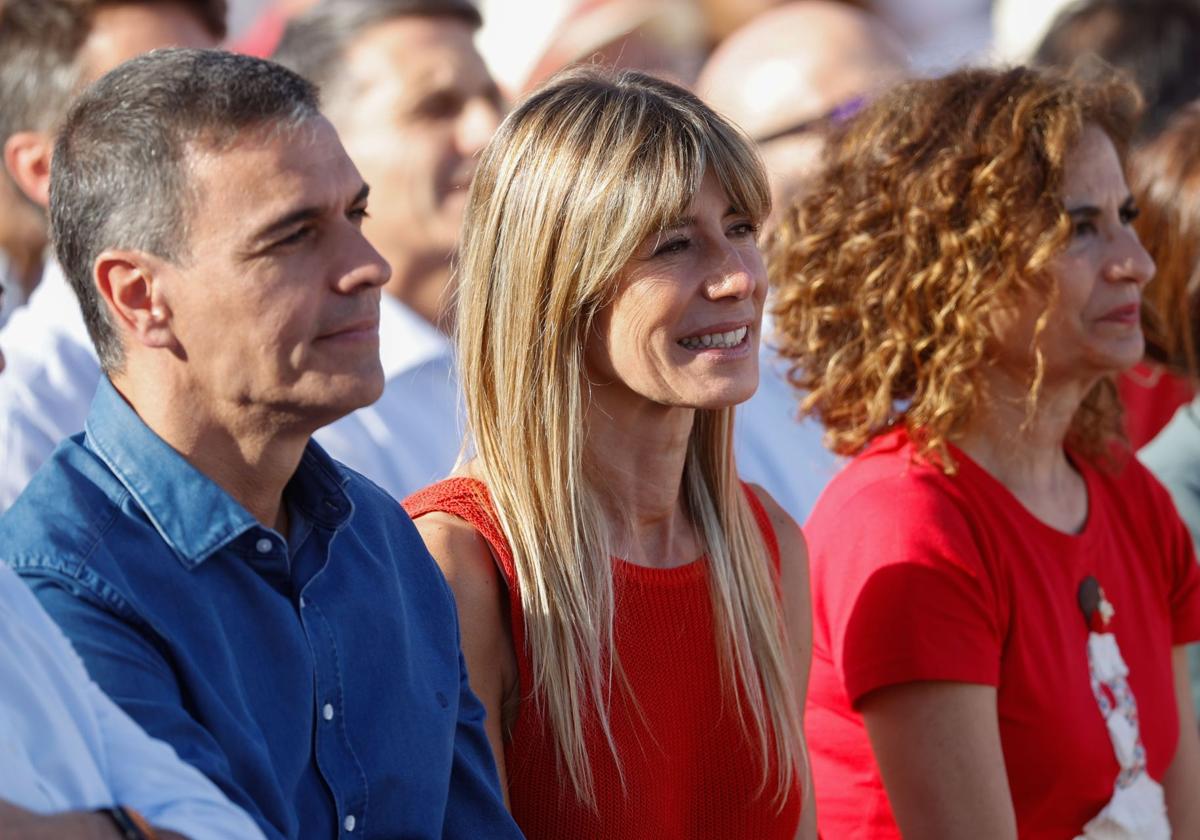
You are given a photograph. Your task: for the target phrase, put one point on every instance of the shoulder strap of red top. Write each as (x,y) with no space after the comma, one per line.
(469,500)
(764,524)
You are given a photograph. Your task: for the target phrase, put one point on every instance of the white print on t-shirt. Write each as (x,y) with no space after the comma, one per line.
(1137,810)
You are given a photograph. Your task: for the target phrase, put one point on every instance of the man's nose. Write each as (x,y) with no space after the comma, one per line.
(476,124)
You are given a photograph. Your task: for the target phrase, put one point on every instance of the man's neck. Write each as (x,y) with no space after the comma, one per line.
(245,451)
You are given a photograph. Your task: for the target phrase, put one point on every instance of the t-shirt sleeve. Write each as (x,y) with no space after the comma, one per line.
(900,579)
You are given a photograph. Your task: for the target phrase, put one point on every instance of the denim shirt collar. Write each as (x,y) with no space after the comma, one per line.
(189,510)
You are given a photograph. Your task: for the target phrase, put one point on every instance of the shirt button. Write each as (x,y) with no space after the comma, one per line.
(263,546)
(327,713)
(349,823)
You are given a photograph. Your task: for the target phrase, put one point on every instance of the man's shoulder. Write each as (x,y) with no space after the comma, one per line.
(65,512)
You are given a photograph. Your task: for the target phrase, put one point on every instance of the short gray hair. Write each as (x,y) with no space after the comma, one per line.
(314,43)
(119,178)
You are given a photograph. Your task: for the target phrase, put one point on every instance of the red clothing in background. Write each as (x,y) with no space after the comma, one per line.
(690,772)
(920,576)
(1151,395)
(264,34)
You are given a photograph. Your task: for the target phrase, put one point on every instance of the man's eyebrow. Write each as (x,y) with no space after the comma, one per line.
(303,214)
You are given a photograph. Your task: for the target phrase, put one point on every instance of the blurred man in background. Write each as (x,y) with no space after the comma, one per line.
(785,77)
(414,104)
(786,74)
(49,51)
(1157,42)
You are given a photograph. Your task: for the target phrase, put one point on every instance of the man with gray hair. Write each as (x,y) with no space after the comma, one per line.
(414,104)
(266,611)
(49,51)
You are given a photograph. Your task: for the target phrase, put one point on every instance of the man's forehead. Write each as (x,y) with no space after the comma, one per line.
(423,49)
(121,31)
(265,169)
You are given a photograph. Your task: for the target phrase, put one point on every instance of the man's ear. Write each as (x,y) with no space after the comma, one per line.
(132,287)
(27,158)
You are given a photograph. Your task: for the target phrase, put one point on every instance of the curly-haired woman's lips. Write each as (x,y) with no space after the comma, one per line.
(1130,313)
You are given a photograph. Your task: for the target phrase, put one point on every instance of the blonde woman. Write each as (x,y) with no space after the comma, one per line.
(1001,593)
(634,618)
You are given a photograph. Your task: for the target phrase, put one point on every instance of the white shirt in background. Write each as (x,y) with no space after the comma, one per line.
(47,386)
(410,437)
(777,451)
(64,746)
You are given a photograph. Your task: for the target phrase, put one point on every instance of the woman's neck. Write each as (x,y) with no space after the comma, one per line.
(639,451)
(1025,452)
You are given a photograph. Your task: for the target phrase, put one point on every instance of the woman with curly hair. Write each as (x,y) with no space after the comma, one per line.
(610,298)
(1001,594)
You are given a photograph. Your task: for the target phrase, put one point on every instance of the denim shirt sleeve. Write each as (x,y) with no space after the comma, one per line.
(128,667)
(475,807)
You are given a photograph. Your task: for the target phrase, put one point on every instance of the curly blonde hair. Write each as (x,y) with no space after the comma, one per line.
(939,206)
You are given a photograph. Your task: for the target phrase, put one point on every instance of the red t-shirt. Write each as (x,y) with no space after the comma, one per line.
(921,576)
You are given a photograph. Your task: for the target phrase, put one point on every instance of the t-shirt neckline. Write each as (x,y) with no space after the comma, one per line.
(979,474)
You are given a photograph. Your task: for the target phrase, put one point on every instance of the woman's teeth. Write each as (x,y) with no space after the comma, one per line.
(718,340)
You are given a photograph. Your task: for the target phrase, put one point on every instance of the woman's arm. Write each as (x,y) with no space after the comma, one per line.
(938,749)
(796,596)
(481,598)
(1182,781)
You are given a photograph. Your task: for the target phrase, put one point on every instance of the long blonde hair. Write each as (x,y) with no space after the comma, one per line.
(575,178)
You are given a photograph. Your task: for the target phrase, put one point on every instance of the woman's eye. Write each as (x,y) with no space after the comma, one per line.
(744,229)
(1128,214)
(358,214)
(673,246)
(1085,228)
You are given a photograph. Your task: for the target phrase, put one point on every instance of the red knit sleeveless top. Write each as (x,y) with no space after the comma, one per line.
(690,770)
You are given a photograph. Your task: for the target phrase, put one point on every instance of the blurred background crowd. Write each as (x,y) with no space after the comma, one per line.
(416,89)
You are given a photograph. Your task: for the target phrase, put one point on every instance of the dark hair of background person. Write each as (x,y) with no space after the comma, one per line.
(119,178)
(1156,41)
(313,43)
(40,40)
(940,206)
(1165,179)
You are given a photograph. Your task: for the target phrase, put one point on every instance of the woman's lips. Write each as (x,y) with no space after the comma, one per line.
(1130,313)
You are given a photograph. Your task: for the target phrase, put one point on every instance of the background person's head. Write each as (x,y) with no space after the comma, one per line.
(568,205)
(938,247)
(51,49)
(209,221)
(782,75)
(1157,42)
(414,104)
(1165,177)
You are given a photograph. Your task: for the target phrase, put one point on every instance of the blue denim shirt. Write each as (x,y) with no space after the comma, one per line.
(317,680)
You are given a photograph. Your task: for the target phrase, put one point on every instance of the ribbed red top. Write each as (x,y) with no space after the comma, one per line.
(690,770)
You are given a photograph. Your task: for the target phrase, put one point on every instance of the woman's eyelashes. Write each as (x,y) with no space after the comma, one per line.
(1084,221)
(679,243)
(673,245)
